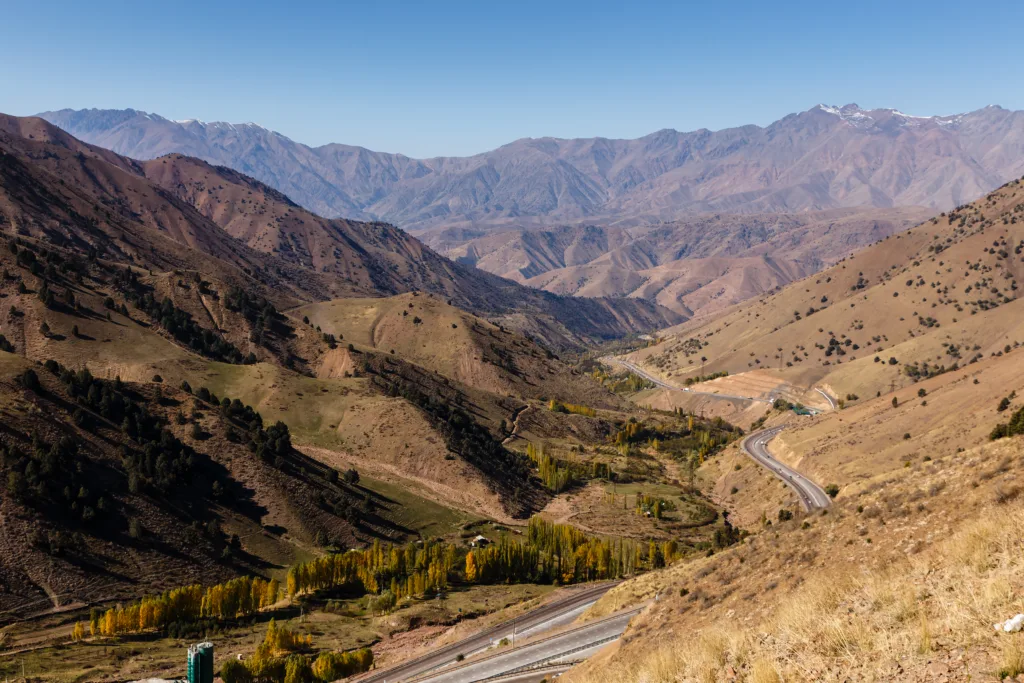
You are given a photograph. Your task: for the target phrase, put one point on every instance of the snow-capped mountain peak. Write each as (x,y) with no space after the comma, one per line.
(866,118)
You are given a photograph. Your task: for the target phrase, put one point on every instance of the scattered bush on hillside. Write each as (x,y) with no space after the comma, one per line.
(178,323)
(690,444)
(559,407)
(29,380)
(925,370)
(163,460)
(690,381)
(52,476)
(782,404)
(56,474)
(622,384)
(1014,427)
(261,314)
(557,475)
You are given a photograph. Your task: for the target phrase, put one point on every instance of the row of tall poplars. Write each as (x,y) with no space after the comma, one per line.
(232,599)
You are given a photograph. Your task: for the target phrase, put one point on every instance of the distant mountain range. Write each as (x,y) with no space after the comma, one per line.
(824,158)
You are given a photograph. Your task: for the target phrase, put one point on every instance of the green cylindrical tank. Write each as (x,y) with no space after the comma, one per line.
(200,663)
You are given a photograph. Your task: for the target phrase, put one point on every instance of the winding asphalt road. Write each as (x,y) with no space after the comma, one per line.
(636,370)
(811,496)
(665,385)
(547,616)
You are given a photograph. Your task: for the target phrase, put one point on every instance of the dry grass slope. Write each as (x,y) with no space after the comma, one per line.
(901,581)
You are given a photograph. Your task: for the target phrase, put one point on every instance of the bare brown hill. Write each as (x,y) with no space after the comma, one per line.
(919,340)
(903,577)
(133,324)
(692,266)
(934,298)
(71,192)
(435,335)
(901,580)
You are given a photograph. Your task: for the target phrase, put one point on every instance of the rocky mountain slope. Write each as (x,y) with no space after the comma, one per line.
(693,266)
(826,157)
(914,305)
(181,212)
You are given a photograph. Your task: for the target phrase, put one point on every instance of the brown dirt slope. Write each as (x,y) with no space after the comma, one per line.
(904,576)
(939,295)
(431,333)
(901,580)
(693,266)
(358,419)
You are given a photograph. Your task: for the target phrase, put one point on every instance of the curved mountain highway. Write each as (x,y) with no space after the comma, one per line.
(536,620)
(665,385)
(636,370)
(811,496)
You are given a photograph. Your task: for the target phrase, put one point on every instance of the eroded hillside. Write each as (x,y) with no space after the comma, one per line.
(694,266)
(912,306)
(178,212)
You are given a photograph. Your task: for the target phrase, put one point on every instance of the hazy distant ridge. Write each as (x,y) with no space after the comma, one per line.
(824,158)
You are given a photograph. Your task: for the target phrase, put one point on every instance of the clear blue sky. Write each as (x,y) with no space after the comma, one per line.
(431,77)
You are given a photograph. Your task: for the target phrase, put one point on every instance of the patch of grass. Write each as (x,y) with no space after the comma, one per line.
(764,671)
(1012,657)
(414,512)
(307,405)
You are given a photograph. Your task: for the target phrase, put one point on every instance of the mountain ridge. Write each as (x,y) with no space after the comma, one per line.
(178,211)
(693,266)
(823,158)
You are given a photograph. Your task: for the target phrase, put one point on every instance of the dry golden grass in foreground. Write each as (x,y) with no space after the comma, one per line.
(902,580)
